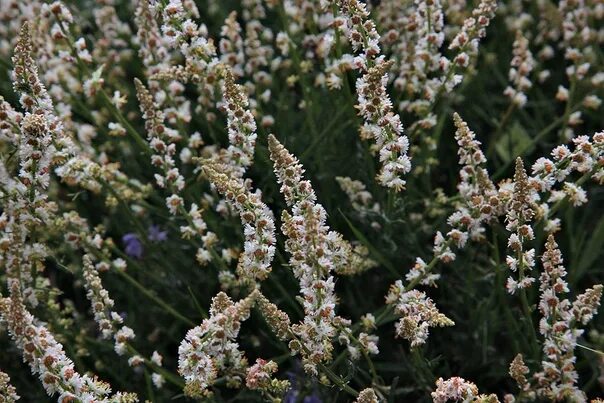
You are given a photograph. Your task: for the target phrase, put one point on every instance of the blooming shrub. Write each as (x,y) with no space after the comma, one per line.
(301,201)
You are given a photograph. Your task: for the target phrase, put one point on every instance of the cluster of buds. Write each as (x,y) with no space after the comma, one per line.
(519,215)
(361,199)
(152,50)
(479,196)
(465,43)
(211,349)
(521,66)
(518,371)
(420,64)
(241,126)
(100,300)
(418,313)
(276,319)
(367,396)
(374,103)
(258,224)
(259,377)
(458,389)
(558,379)
(161,141)
(8,393)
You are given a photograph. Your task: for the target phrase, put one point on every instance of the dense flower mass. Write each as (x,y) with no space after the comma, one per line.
(190,208)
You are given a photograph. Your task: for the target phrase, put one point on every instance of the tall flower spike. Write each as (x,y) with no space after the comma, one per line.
(520,213)
(521,66)
(315,252)
(240,123)
(258,224)
(99,298)
(374,103)
(559,326)
(422,66)
(110,322)
(26,79)
(478,205)
(476,188)
(27,206)
(161,141)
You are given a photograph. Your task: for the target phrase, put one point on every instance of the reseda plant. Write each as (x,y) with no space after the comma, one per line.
(191,208)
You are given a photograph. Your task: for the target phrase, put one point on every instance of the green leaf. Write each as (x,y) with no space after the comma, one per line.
(372,250)
(515,141)
(591,251)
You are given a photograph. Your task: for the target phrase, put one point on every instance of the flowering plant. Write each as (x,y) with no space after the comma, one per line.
(301,200)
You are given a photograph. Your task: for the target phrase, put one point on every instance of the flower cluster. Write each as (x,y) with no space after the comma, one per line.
(162,142)
(418,313)
(473,29)
(557,381)
(102,303)
(259,377)
(458,389)
(521,66)
(241,126)
(8,393)
(367,396)
(421,66)
(480,201)
(210,349)
(374,103)
(520,213)
(258,224)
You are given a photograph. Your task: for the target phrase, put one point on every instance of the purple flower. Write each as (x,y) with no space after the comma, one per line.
(134,247)
(296,377)
(291,396)
(314,398)
(156,235)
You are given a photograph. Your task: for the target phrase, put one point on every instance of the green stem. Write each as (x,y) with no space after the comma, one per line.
(154,298)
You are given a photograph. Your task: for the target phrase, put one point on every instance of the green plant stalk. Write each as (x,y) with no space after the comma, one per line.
(154,298)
